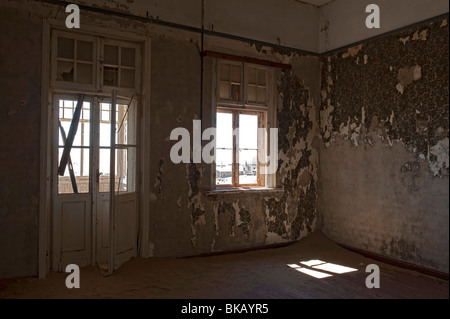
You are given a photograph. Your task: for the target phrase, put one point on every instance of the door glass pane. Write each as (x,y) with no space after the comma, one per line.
(103,170)
(224,161)
(66,111)
(126,124)
(79,161)
(125,154)
(126,170)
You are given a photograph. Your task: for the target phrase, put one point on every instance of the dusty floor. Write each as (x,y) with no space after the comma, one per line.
(260,274)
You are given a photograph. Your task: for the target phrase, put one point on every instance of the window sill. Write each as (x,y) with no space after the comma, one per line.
(242,190)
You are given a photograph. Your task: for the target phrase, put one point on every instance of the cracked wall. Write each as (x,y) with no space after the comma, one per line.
(384,110)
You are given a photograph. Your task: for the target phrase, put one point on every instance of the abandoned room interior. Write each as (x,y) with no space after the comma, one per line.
(224,149)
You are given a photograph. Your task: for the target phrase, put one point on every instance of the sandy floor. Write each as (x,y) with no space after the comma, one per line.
(260,274)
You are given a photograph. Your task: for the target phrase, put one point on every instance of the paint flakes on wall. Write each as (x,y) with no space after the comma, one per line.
(353,51)
(239,217)
(407,75)
(158,185)
(195,203)
(400,96)
(293,214)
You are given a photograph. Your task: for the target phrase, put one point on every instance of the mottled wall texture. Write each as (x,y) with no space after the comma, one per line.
(20,109)
(384,166)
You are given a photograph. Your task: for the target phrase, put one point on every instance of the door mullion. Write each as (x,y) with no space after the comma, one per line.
(94,172)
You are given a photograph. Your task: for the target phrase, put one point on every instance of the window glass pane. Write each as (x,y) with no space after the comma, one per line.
(127,78)
(251,93)
(248,166)
(111,54)
(236,73)
(84,51)
(224,91)
(224,160)
(262,77)
(128,57)
(64,71)
(84,73)
(224,72)
(235,92)
(224,130)
(248,131)
(65,48)
(251,75)
(110,76)
(261,95)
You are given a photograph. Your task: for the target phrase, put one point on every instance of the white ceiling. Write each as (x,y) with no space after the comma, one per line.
(316,2)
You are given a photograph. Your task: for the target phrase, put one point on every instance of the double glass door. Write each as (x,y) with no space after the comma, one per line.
(95,145)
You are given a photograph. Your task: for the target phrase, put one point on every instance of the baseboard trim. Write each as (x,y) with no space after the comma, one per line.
(241,250)
(397,262)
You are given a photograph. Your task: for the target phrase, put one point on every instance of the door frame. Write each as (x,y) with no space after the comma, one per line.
(46,134)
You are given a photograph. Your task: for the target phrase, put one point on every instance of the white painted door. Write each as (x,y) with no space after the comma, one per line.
(81,196)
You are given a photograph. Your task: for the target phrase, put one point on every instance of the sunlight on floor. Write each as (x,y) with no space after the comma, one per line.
(327,268)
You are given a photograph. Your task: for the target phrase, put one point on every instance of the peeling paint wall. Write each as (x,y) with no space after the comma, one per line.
(381,110)
(388,100)
(186,219)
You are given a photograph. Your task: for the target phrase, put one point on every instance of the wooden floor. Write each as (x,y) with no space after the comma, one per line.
(261,274)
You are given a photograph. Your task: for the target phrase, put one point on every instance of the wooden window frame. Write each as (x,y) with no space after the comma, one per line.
(243,106)
(261,147)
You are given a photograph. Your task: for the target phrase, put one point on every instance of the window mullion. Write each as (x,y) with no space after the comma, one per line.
(235,173)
